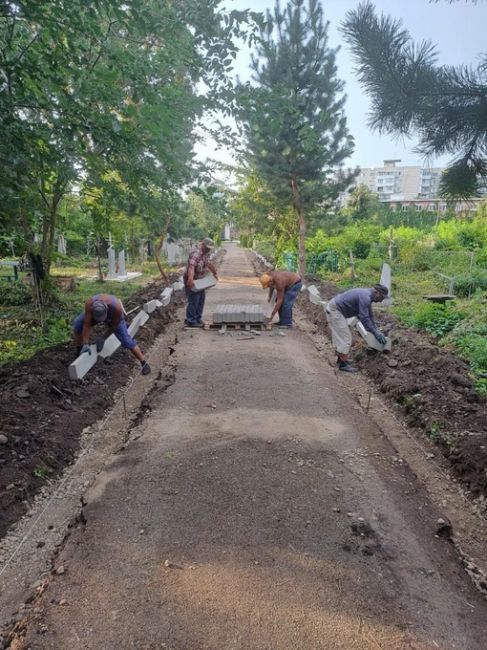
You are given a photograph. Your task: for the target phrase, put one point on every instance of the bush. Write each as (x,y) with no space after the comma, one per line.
(466,285)
(244,241)
(438,320)
(14,293)
(473,347)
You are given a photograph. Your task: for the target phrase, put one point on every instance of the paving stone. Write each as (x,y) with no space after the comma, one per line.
(84,363)
(111,345)
(204,283)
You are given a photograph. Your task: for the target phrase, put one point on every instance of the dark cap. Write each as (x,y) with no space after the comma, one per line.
(99,311)
(381,289)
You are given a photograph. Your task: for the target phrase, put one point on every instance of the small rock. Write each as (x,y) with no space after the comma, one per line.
(60,570)
(23,393)
(444,528)
(336,510)
(430,456)
(3,439)
(63,602)
(392,363)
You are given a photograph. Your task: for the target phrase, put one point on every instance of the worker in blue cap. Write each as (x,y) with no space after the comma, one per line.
(105,308)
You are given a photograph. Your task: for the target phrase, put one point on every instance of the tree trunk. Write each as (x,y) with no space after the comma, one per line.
(158,248)
(298,207)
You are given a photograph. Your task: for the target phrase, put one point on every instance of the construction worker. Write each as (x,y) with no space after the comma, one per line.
(196,268)
(287,286)
(105,308)
(358,303)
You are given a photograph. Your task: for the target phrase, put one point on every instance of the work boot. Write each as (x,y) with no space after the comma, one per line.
(145,368)
(346,367)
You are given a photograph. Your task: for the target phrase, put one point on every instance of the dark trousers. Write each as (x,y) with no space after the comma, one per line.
(286,310)
(194,308)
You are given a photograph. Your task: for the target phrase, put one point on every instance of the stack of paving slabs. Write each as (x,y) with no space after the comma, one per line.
(223,314)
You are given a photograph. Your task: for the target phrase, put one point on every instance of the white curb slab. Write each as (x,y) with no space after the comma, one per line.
(371,341)
(178,285)
(111,345)
(166,296)
(151,306)
(84,363)
(141,318)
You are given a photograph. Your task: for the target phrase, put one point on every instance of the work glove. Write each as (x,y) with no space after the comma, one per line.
(86,348)
(100,342)
(380,338)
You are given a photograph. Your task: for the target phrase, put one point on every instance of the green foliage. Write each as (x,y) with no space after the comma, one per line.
(245,241)
(358,238)
(361,204)
(436,319)
(467,284)
(103,98)
(473,346)
(14,293)
(455,234)
(293,118)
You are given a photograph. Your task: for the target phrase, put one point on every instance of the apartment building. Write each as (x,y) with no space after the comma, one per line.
(394,183)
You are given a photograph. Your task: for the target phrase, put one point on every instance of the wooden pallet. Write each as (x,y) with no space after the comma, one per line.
(246,327)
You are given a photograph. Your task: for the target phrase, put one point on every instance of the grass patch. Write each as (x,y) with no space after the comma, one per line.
(22,334)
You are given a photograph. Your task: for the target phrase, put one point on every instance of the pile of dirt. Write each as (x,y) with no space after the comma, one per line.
(44,412)
(431,386)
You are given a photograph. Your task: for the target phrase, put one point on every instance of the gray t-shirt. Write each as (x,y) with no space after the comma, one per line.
(357,302)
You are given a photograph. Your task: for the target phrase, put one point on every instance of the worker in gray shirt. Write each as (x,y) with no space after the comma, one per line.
(358,303)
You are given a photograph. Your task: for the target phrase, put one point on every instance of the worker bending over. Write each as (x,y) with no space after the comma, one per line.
(287,285)
(105,308)
(358,303)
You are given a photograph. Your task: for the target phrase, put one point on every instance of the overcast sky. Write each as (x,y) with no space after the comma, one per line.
(458,30)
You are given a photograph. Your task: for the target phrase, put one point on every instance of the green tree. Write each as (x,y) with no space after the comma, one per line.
(362,204)
(410,94)
(293,120)
(105,95)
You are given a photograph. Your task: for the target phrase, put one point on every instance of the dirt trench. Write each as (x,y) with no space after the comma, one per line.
(432,389)
(44,413)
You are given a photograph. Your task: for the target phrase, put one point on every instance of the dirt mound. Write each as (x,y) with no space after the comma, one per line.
(44,412)
(432,387)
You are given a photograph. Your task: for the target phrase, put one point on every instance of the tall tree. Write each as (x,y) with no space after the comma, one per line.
(292,112)
(410,93)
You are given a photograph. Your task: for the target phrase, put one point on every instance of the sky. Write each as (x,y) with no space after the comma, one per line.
(458,30)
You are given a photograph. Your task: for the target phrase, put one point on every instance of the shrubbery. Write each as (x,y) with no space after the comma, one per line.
(436,319)
(467,284)
(14,293)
